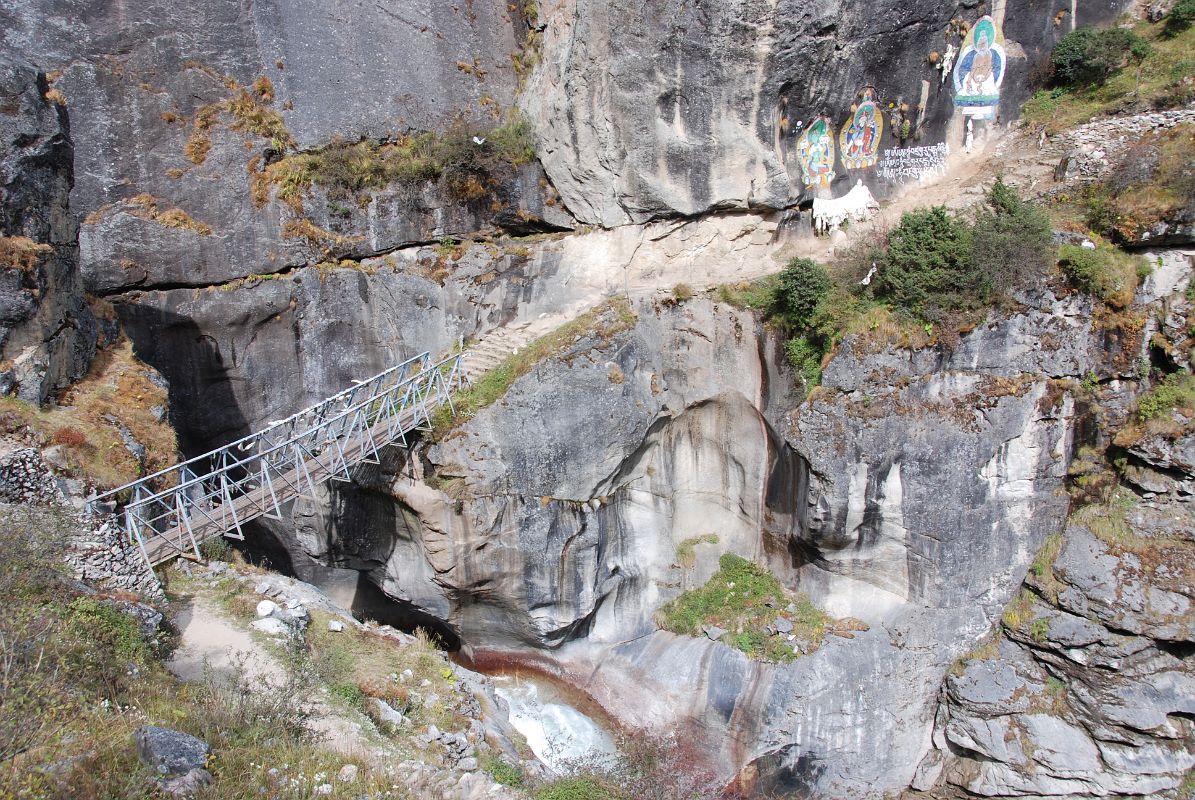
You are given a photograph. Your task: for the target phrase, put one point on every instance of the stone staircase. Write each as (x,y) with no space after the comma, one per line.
(493,348)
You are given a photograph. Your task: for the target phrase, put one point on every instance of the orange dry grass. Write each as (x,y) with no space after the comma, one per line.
(19,252)
(147,208)
(118,386)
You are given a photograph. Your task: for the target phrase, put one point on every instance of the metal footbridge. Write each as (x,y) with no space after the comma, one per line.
(216,493)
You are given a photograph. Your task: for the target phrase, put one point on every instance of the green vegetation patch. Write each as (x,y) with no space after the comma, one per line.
(1105,272)
(1155,183)
(1103,72)
(357,665)
(744,599)
(1167,409)
(1041,570)
(503,772)
(1174,392)
(928,263)
(577,787)
(470,160)
(930,278)
(603,322)
(1109,520)
(754,295)
(1180,18)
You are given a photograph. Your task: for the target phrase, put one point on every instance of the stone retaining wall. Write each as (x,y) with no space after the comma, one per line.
(99,552)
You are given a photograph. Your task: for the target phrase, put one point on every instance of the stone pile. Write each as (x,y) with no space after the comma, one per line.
(459,751)
(279,615)
(1095,148)
(424,780)
(98,550)
(26,480)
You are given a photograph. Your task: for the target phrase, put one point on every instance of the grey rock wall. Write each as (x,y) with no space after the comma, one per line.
(1090,688)
(47,332)
(240,355)
(911,493)
(679,107)
(138,80)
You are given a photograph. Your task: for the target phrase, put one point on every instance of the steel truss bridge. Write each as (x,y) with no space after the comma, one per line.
(216,493)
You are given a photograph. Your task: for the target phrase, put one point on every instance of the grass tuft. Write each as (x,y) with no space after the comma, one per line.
(21,253)
(743,598)
(146,207)
(686,551)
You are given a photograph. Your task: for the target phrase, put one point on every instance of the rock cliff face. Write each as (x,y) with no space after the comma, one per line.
(243,353)
(678,107)
(911,492)
(47,333)
(1088,688)
(212,95)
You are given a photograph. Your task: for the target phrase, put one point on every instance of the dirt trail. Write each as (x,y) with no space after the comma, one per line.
(211,639)
(208,637)
(1015,154)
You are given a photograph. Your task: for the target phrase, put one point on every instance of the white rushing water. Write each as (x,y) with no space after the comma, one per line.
(555,730)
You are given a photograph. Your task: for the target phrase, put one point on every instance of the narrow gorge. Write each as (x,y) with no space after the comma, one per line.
(827,430)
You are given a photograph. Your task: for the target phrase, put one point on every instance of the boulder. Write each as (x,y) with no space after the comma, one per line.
(185,785)
(387,714)
(170,753)
(271,626)
(267,608)
(713,632)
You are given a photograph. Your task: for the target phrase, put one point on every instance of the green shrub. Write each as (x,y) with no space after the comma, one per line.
(1176,390)
(350,693)
(799,288)
(503,773)
(577,787)
(1105,272)
(1088,56)
(682,292)
(1180,17)
(806,358)
(928,268)
(1012,244)
(217,549)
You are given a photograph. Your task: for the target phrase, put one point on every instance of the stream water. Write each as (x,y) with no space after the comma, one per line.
(557,731)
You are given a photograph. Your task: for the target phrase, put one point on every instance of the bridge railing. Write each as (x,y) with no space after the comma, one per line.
(217,492)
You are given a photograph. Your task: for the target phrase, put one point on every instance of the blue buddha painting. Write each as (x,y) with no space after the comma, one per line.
(980,70)
(815,152)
